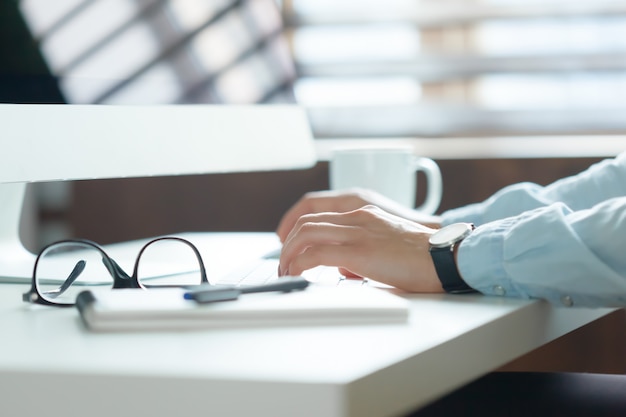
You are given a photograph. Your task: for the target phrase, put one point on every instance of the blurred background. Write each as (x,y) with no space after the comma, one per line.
(374,69)
(467,77)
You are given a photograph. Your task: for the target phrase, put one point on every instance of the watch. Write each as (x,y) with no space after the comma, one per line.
(442,244)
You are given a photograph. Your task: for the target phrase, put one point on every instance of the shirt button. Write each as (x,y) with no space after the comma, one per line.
(499,290)
(567,301)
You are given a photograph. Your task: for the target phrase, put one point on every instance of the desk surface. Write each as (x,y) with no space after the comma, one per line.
(49,361)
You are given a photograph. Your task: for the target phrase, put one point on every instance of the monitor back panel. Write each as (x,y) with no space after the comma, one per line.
(72,142)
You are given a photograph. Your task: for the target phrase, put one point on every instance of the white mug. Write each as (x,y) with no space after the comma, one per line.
(391,171)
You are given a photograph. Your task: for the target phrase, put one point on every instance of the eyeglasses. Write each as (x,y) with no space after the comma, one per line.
(65,268)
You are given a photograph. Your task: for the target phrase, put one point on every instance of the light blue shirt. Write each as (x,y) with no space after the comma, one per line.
(565,242)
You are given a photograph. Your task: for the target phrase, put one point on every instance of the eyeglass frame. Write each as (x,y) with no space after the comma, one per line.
(121,280)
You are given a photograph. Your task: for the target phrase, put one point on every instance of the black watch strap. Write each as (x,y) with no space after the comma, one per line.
(448,273)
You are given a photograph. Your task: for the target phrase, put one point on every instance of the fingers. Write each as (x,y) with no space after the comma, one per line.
(366,242)
(291,216)
(323,239)
(348,274)
(340,256)
(313,234)
(319,202)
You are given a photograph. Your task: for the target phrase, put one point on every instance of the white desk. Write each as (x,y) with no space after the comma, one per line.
(50,364)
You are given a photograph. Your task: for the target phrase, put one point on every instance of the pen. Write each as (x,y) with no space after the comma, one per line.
(284,284)
(213,294)
(209,294)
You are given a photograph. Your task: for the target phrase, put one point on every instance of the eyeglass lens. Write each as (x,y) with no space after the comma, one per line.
(168,262)
(65,269)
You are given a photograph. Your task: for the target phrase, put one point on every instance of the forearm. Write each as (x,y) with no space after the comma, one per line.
(600,182)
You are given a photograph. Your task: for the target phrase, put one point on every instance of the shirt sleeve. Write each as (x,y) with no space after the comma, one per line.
(600,182)
(566,256)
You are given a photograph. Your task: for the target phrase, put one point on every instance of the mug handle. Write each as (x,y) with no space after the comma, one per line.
(434,184)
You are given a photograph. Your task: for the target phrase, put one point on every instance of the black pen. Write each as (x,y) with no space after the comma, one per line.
(210,293)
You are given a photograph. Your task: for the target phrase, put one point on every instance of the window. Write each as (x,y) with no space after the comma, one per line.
(164,51)
(460,67)
(362,67)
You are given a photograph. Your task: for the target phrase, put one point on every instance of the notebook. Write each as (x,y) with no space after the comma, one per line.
(168,310)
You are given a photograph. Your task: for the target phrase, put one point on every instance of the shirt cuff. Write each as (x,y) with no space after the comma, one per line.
(480,260)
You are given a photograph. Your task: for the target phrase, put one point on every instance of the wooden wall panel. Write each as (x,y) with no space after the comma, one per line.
(122,209)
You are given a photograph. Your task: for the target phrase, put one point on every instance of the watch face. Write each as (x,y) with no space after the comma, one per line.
(448,235)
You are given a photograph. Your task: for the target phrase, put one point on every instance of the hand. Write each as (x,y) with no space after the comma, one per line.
(344,201)
(367,242)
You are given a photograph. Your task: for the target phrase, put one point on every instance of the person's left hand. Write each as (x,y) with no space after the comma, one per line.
(367,242)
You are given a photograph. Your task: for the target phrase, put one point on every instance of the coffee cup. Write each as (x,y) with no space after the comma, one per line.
(390,171)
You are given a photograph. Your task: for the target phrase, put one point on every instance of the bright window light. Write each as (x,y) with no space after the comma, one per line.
(523,92)
(222,42)
(191,14)
(242,83)
(372,8)
(159,85)
(549,36)
(357,92)
(78,35)
(116,62)
(344,43)
(266,16)
(43,14)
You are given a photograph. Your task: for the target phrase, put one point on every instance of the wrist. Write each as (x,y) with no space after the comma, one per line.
(444,246)
(431,221)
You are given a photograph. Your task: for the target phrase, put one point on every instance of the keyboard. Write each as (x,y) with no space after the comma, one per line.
(265,270)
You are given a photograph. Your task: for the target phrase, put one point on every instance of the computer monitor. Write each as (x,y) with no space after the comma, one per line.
(149,54)
(70,142)
(48,142)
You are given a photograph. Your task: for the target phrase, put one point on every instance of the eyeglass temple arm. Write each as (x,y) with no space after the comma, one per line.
(78,269)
